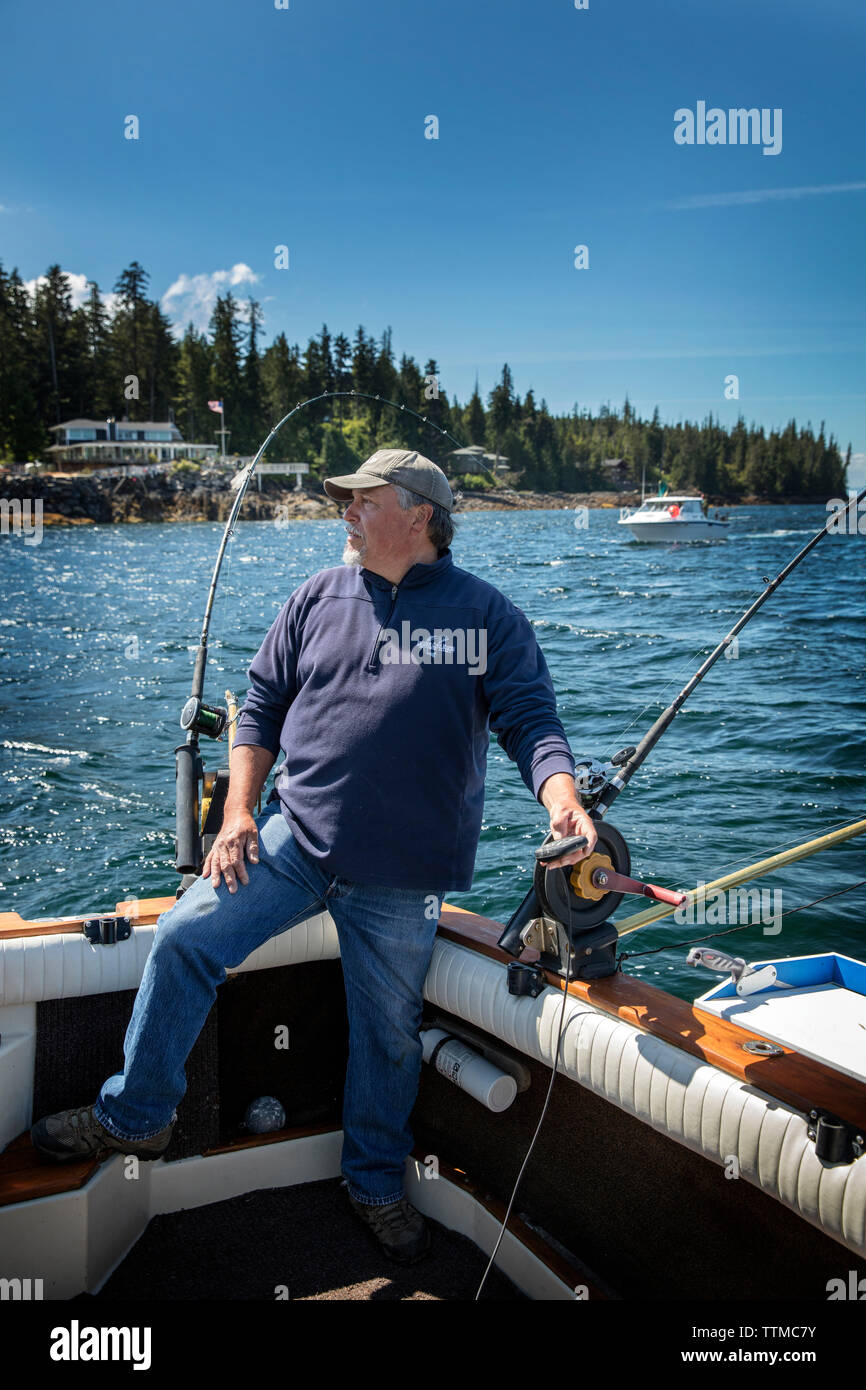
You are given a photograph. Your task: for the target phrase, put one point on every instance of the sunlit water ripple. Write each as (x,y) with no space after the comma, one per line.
(98,625)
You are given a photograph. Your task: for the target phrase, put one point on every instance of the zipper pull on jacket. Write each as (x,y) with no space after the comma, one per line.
(373,663)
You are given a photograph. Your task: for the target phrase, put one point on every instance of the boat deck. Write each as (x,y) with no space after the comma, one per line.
(303,1240)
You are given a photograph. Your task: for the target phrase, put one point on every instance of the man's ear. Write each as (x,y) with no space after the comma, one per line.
(421,520)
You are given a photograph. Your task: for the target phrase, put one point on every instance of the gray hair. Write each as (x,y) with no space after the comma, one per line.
(440,527)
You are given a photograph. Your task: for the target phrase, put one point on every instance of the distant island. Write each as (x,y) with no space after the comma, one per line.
(192,494)
(75,383)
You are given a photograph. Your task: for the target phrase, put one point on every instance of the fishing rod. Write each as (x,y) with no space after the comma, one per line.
(593,890)
(618,783)
(198,718)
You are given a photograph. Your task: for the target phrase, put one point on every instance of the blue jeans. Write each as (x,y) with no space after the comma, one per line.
(386,940)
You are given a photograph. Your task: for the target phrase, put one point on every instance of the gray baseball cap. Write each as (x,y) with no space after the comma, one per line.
(401,466)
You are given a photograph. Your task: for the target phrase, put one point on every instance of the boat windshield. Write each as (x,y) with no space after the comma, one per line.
(691,505)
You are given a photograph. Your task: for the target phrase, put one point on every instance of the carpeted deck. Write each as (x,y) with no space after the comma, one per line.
(295,1242)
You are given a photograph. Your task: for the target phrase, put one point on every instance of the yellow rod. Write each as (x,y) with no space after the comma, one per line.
(763,866)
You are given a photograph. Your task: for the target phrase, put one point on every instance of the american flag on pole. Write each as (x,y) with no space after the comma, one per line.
(215,405)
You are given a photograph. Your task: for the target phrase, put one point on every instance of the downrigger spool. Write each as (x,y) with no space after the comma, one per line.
(568,909)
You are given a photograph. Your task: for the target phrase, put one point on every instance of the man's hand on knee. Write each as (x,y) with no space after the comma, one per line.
(238,838)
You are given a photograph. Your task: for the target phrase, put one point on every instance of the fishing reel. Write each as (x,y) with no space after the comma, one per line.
(203,719)
(566,914)
(591,776)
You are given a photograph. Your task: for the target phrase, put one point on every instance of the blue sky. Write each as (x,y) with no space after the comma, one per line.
(306,127)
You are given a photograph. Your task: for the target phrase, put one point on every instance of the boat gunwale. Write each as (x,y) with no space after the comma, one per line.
(796,1080)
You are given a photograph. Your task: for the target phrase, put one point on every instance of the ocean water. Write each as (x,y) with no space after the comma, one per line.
(98,625)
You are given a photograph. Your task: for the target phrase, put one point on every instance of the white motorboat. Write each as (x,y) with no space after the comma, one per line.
(673,518)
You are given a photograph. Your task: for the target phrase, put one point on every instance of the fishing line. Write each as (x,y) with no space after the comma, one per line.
(695,940)
(747,858)
(687,665)
(769,587)
(674,680)
(559,1037)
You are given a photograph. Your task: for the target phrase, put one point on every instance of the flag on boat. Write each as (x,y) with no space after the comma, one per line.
(215,405)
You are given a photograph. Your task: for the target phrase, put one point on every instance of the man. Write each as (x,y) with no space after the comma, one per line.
(380,680)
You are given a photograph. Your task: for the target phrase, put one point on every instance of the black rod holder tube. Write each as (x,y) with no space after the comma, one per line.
(188,855)
(510,939)
(198,671)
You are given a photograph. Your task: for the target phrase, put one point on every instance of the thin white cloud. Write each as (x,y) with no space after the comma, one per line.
(77,284)
(761,195)
(192,297)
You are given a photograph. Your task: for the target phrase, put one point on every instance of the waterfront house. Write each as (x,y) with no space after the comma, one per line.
(81,444)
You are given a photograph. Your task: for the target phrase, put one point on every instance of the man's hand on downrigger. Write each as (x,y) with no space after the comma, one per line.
(558,794)
(238,838)
(566,821)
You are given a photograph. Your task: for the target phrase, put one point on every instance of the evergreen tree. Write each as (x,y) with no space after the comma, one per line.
(60,349)
(22,429)
(57,362)
(226,383)
(363,361)
(342,372)
(193,380)
(436,409)
(128,343)
(160,359)
(282,377)
(501,408)
(476,421)
(255,414)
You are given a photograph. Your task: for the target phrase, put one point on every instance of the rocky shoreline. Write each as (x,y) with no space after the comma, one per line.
(70,499)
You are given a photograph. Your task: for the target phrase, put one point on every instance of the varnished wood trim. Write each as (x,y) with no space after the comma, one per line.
(796,1080)
(26,1175)
(799,1081)
(143,911)
(276,1136)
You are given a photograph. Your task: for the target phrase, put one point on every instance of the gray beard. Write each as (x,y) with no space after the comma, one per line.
(353,557)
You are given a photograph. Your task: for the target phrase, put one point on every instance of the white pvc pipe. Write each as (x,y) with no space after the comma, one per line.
(460,1063)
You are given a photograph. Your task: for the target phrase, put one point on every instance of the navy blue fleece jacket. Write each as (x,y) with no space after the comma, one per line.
(382,698)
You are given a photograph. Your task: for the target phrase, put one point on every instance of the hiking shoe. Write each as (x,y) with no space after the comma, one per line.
(399,1228)
(77,1134)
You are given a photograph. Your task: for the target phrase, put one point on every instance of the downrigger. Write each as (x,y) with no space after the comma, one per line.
(566,913)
